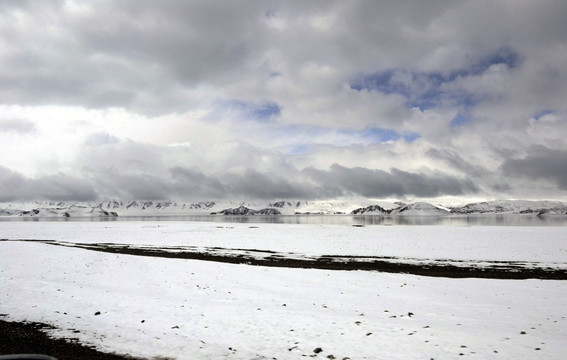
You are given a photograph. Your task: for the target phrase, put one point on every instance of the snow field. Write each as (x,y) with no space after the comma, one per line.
(505,243)
(186,309)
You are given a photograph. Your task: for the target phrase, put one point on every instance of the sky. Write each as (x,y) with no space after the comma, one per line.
(242,100)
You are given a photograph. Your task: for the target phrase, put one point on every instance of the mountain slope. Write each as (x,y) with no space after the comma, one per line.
(512,207)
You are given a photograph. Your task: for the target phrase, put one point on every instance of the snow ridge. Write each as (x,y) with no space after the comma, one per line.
(115,207)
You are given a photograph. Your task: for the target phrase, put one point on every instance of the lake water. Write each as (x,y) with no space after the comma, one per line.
(354,220)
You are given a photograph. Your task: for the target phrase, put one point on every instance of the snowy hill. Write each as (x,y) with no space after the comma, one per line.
(172,208)
(419,208)
(54,209)
(243,210)
(113,208)
(513,207)
(371,210)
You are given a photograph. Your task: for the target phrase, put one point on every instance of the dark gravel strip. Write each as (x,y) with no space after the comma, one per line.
(28,338)
(511,270)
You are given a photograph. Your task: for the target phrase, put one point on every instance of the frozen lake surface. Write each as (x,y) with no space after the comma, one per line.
(187,309)
(386,220)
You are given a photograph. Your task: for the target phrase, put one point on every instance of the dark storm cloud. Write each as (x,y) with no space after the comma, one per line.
(17,187)
(137,171)
(341,181)
(191,183)
(19,126)
(135,54)
(254,184)
(133,186)
(378,183)
(541,163)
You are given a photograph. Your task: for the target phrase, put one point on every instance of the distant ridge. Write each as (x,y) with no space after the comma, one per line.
(114,208)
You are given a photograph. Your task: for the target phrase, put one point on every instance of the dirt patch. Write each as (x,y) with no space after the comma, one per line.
(29,338)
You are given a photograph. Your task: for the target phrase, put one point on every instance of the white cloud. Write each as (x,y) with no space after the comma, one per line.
(274,88)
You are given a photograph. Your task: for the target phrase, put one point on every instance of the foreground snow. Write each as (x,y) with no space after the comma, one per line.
(187,309)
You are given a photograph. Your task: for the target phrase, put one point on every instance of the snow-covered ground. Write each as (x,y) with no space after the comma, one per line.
(190,309)
(507,243)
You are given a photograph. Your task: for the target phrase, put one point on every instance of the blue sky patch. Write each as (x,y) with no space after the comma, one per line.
(504,55)
(378,135)
(320,135)
(426,90)
(421,90)
(459,120)
(299,149)
(258,112)
(266,111)
(540,114)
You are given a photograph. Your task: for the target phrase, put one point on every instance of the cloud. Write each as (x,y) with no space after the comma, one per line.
(455,161)
(374,183)
(133,170)
(16,187)
(423,98)
(193,184)
(17,126)
(101,138)
(253,184)
(540,163)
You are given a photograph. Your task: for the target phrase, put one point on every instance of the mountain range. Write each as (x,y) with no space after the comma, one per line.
(114,208)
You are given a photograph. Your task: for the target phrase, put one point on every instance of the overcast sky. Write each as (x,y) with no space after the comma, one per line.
(247,100)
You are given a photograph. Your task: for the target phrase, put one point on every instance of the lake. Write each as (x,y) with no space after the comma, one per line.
(361,220)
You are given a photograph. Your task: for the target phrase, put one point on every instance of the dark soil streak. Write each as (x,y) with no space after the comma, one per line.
(30,338)
(435,267)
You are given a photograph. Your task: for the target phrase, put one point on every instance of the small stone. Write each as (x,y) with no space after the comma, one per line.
(317,350)
(97,313)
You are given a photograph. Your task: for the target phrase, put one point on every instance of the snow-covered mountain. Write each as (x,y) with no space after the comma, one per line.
(513,207)
(417,208)
(243,210)
(54,209)
(113,208)
(172,208)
